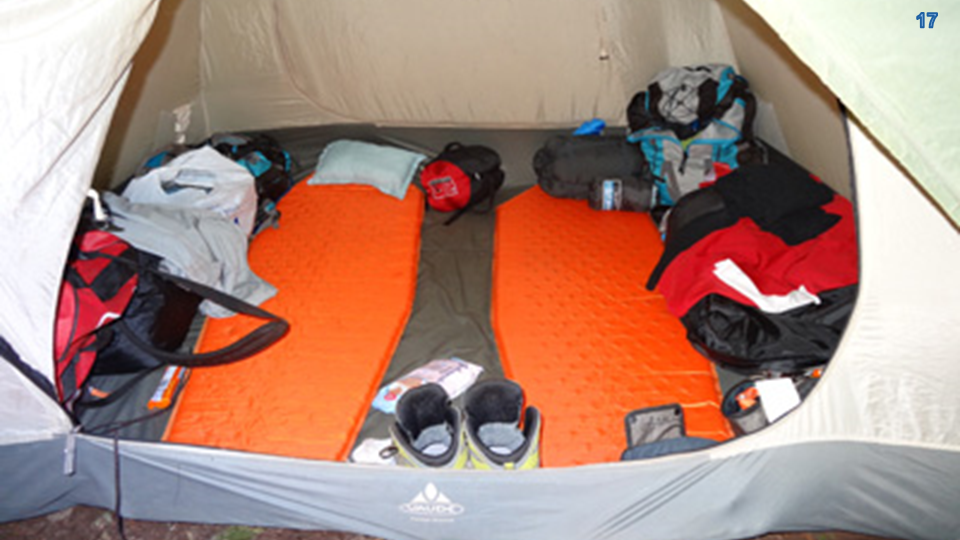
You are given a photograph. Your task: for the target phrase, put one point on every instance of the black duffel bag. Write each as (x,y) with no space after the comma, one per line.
(576,167)
(746,340)
(156,322)
(153,327)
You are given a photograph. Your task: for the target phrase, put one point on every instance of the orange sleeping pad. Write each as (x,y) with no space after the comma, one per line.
(344,260)
(581,334)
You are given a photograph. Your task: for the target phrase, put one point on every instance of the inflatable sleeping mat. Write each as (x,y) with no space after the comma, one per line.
(344,260)
(580,333)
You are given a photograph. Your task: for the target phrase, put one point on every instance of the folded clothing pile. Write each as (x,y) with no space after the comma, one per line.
(761,267)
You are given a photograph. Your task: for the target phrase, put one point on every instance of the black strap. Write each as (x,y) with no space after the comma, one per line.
(114,395)
(457,215)
(255,341)
(496,183)
(450,147)
(8,353)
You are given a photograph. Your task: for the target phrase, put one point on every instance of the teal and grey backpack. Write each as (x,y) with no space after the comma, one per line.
(688,120)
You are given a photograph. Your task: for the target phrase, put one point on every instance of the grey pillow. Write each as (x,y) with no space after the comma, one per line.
(387,168)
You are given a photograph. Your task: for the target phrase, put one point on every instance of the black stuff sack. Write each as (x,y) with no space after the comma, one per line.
(158,317)
(576,167)
(461,177)
(150,331)
(746,340)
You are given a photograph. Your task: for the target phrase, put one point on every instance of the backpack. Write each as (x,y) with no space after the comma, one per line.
(461,177)
(96,289)
(271,167)
(263,156)
(689,120)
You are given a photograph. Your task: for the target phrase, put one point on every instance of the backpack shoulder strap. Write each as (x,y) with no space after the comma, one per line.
(255,341)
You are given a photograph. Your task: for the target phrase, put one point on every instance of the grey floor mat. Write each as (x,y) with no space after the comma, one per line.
(451,311)
(129,417)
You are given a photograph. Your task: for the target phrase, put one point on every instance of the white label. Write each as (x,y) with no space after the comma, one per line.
(164,383)
(777,396)
(612,194)
(432,505)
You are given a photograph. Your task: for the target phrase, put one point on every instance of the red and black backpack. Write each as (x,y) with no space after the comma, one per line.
(461,177)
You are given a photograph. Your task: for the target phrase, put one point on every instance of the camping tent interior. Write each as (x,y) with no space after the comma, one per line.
(97,86)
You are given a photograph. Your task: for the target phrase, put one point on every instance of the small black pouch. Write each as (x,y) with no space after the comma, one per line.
(659,431)
(654,424)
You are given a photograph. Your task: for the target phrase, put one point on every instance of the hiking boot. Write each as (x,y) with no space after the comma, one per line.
(427,432)
(494,435)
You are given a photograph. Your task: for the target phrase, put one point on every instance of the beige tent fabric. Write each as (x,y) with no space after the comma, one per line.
(504,63)
(65,63)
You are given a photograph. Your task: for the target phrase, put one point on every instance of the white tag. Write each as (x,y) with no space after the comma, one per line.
(777,396)
(99,214)
(164,383)
(370,451)
(70,452)
(612,194)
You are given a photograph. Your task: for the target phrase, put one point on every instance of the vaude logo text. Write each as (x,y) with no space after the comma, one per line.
(430,503)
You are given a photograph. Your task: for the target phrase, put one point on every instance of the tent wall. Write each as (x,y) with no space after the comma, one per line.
(472,63)
(500,62)
(164,81)
(65,63)
(249,64)
(891,72)
(806,111)
(895,373)
(28,413)
(886,490)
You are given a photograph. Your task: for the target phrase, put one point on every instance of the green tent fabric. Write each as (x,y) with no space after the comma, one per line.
(878,60)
